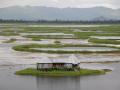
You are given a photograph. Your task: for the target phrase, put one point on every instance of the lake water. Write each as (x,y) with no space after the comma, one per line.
(11,57)
(11,61)
(78,49)
(51,41)
(9,81)
(107,37)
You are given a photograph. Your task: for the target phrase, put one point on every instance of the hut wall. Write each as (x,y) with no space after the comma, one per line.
(58,65)
(47,66)
(55,65)
(44,66)
(68,65)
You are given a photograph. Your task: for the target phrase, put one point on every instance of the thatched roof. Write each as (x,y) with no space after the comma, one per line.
(71,59)
(44,60)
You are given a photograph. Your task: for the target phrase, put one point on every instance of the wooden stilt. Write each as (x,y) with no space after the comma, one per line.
(37,66)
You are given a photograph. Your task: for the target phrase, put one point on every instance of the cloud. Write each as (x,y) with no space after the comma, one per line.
(62,3)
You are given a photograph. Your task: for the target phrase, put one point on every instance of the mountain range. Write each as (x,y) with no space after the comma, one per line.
(54,13)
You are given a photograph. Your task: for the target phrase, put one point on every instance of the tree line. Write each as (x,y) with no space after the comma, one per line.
(61,21)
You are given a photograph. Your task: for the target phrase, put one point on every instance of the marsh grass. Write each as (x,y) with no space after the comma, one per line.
(9,41)
(30,48)
(56,73)
(103,41)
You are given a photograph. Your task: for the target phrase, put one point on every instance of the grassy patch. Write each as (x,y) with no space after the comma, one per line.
(57,42)
(8,34)
(104,41)
(29,48)
(107,29)
(9,41)
(34,72)
(112,30)
(38,37)
(46,30)
(84,35)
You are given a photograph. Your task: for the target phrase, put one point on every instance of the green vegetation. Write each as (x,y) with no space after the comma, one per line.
(36,30)
(84,35)
(8,31)
(8,34)
(46,30)
(103,41)
(110,30)
(56,73)
(30,48)
(38,37)
(57,42)
(103,29)
(80,33)
(9,41)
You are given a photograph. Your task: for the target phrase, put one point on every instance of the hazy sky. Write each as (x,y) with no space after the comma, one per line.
(62,3)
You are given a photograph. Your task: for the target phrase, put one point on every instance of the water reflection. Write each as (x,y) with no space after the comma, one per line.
(58,83)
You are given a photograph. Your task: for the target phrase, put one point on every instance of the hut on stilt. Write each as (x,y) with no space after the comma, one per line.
(71,62)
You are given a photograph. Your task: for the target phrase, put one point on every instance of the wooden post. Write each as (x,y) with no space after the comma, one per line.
(37,66)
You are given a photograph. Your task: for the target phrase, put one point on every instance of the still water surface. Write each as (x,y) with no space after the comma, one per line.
(78,49)
(9,81)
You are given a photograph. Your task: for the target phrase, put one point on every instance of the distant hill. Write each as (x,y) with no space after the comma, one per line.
(51,13)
